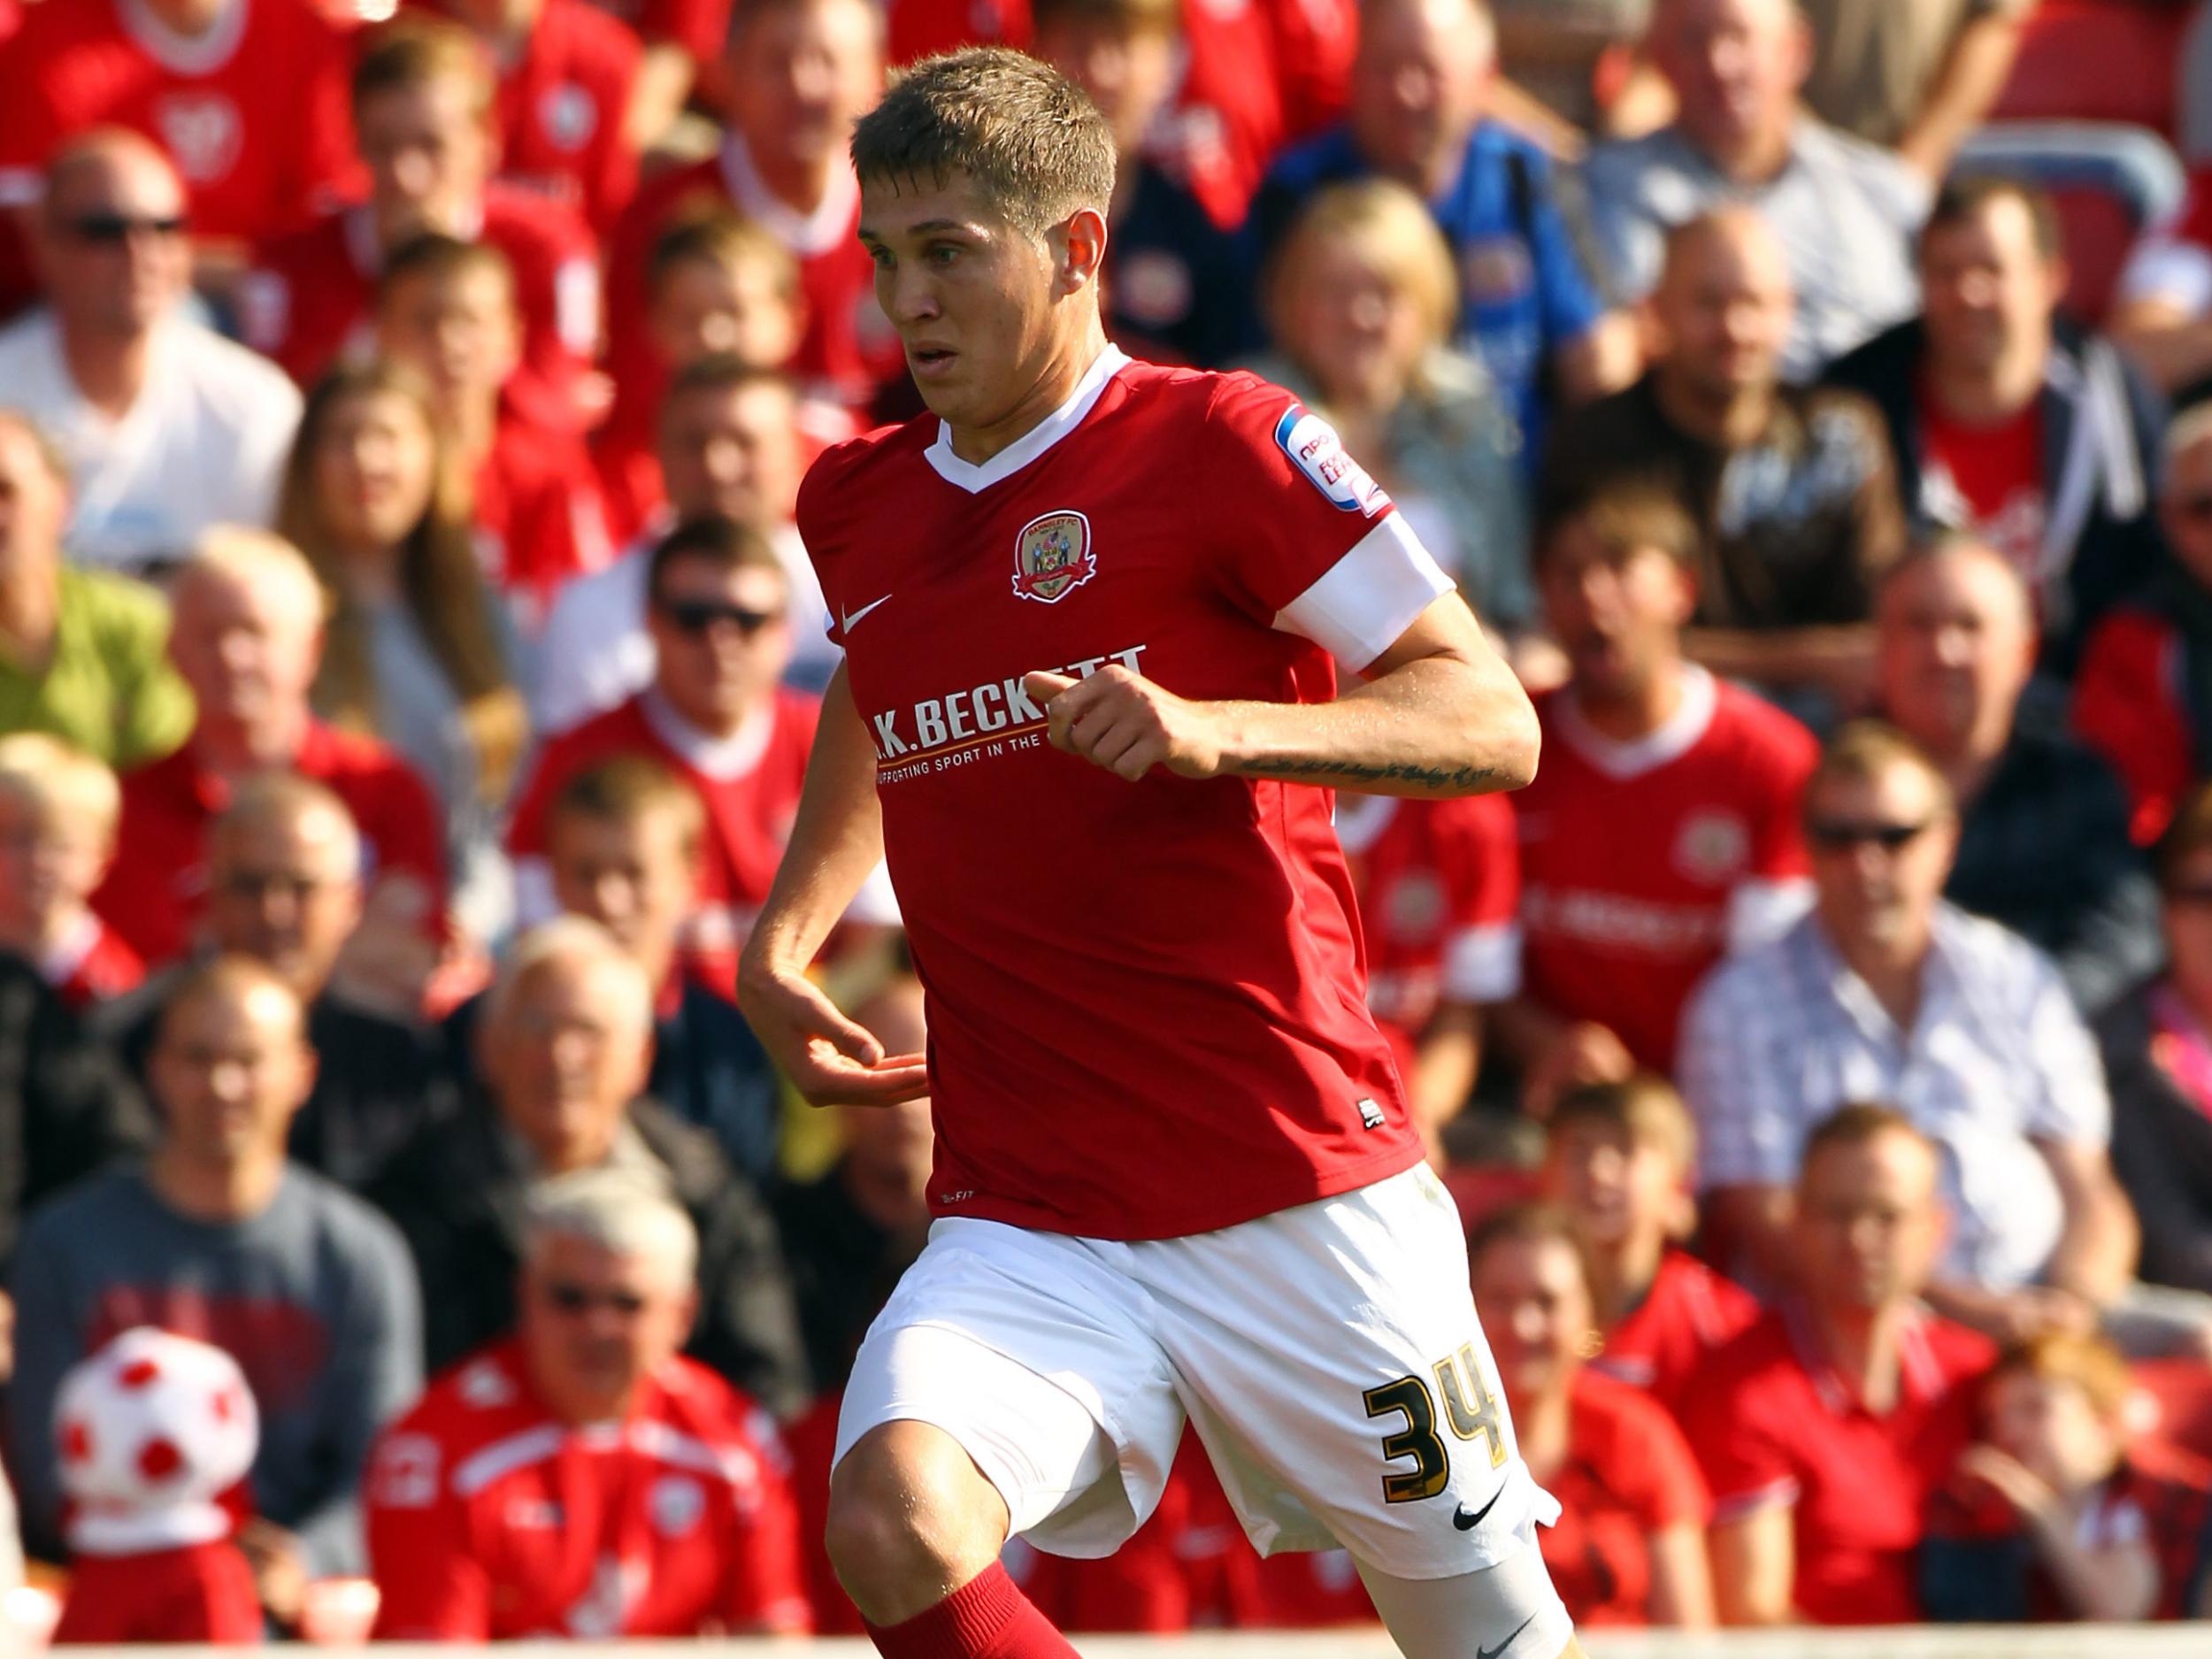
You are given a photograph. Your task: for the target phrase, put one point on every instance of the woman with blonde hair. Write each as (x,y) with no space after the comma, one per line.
(417,648)
(1361,299)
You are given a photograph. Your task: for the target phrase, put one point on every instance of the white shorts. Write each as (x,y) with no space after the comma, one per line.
(1329,1356)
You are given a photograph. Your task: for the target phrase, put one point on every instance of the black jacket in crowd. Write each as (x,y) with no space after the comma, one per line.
(2162,1150)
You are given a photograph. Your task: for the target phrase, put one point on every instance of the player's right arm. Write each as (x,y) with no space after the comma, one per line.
(836,840)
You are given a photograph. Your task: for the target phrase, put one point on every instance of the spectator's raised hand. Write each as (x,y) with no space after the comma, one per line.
(1583,1052)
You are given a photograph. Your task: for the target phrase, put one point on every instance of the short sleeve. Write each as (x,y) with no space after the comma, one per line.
(765,1588)
(431,1586)
(1306,540)
(1747,1465)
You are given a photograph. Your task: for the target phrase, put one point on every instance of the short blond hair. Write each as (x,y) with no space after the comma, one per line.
(1863,751)
(52,777)
(570,939)
(1385,224)
(1643,1108)
(255,559)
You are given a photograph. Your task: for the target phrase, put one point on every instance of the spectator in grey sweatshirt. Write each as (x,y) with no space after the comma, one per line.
(219,1237)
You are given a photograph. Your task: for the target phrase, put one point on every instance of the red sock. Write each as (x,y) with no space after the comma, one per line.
(985,1618)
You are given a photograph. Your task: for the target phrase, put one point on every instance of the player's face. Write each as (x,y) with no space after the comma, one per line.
(595,1324)
(1128,71)
(564,1062)
(1957,648)
(2185,508)
(706,308)
(722,640)
(1359,333)
(1881,852)
(49,859)
(801,74)
(249,653)
(459,332)
(1614,1186)
(279,891)
(229,1069)
(732,452)
(375,468)
(1985,286)
(1418,85)
(428,152)
(2050,1425)
(634,879)
(114,254)
(1535,1308)
(1724,313)
(1616,614)
(1868,1224)
(34,503)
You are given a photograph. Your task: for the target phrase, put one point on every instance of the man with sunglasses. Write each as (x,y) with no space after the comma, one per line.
(582,1477)
(717,715)
(1886,992)
(166,427)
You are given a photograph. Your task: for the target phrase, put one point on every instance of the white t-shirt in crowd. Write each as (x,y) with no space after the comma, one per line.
(204,444)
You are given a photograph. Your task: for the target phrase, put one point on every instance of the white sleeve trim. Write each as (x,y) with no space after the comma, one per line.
(1760,911)
(1483,964)
(2170,271)
(1360,604)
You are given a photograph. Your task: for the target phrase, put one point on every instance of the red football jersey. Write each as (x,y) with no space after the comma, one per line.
(749,785)
(254,113)
(699,26)
(154,891)
(922,28)
(1146,1009)
(1440,887)
(1988,480)
(93,965)
(488,1519)
(1633,856)
(1629,1473)
(196,1593)
(1772,1423)
(311,299)
(1689,1311)
(2129,707)
(539,521)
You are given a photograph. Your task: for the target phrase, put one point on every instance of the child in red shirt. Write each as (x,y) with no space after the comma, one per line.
(58,809)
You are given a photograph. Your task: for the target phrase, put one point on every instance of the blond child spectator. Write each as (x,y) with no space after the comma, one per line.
(58,809)
(1620,1165)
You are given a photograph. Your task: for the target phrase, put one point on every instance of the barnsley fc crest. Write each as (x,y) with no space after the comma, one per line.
(1053,557)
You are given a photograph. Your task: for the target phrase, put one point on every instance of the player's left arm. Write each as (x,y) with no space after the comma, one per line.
(1439,714)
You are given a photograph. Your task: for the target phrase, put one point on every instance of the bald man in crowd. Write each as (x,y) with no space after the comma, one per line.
(1793,489)
(166,427)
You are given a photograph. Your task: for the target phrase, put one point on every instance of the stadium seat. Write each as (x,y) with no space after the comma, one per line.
(2098,61)
(2174,1397)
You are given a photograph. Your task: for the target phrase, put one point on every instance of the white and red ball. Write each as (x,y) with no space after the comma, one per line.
(154,1422)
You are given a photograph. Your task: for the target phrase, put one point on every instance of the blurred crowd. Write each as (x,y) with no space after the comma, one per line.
(408,667)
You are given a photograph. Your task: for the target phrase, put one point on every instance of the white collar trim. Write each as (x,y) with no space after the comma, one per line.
(806,235)
(1675,737)
(185,54)
(976,477)
(721,758)
(67,954)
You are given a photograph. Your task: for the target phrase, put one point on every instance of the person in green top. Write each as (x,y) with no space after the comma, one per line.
(82,653)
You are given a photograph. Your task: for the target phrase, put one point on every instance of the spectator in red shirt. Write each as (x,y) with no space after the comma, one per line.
(247,97)
(2052,1515)
(1826,1427)
(422,104)
(568,79)
(582,1478)
(1614,932)
(447,310)
(417,648)
(714,715)
(1629,1548)
(58,809)
(799,72)
(1620,1162)
(247,638)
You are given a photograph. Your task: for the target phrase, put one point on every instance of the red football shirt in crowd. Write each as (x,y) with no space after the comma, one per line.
(922,28)
(563,109)
(1439,886)
(93,965)
(1689,1311)
(1773,1423)
(311,299)
(488,1519)
(154,890)
(2129,707)
(1640,861)
(196,1593)
(1988,480)
(539,519)
(254,113)
(749,784)
(1146,1009)
(1629,1473)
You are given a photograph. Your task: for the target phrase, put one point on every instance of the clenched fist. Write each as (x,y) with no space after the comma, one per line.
(1120,720)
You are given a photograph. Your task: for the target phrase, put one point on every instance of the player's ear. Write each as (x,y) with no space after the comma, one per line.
(1078,248)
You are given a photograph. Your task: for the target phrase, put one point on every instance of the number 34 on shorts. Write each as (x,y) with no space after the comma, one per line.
(1470,1411)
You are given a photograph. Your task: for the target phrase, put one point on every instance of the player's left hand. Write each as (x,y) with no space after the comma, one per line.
(1122,721)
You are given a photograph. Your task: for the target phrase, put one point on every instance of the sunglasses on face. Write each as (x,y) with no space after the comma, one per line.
(699,617)
(563,1297)
(1838,836)
(115,229)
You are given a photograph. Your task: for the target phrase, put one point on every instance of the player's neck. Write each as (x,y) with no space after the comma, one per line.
(109,369)
(1062,373)
(801,183)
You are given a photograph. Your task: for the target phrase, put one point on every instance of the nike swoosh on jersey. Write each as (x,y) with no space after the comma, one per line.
(1493,1653)
(1467,1523)
(852,617)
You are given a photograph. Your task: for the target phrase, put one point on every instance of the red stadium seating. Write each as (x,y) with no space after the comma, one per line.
(2099,60)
